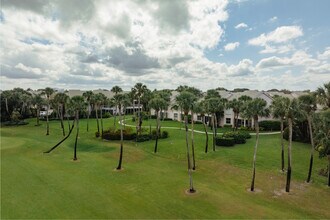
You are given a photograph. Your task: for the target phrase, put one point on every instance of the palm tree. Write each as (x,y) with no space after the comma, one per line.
(235,105)
(308,107)
(37,101)
(279,107)
(119,99)
(102,101)
(96,101)
(184,100)
(48,92)
(255,109)
(157,103)
(78,104)
(88,95)
(200,108)
(116,90)
(139,89)
(323,95)
(291,113)
(61,99)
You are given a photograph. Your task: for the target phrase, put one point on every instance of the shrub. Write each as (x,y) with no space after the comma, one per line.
(143,137)
(113,134)
(153,117)
(164,134)
(239,138)
(270,125)
(247,135)
(168,119)
(296,135)
(107,115)
(227,126)
(97,134)
(227,142)
(198,122)
(15,123)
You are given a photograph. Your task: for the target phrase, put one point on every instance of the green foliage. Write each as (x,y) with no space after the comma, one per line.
(15,116)
(164,134)
(239,137)
(226,142)
(107,115)
(270,125)
(114,134)
(297,135)
(15,123)
(97,134)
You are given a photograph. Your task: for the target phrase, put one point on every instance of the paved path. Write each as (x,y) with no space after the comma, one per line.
(196,131)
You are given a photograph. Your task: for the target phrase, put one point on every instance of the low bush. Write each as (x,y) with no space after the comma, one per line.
(143,137)
(168,119)
(270,125)
(106,115)
(164,134)
(198,122)
(227,126)
(15,123)
(239,137)
(113,134)
(226,142)
(97,134)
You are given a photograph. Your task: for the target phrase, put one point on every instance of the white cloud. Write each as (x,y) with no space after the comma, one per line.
(279,35)
(273,19)
(244,68)
(241,26)
(231,46)
(277,49)
(325,55)
(323,69)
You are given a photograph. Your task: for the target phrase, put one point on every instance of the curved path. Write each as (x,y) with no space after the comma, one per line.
(196,131)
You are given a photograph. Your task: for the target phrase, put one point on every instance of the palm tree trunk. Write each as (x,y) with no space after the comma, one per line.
(216,124)
(101,122)
(62,124)
(328,170)
(75,143)
(236,121)
(192,140)
(213,129)
(89,112)
(140,119)
(114,120)
(47,118)
(191,189)
(312,149)
(38,113)
(255,154)
(288,176)
(282,144)
(207,136)
(157,132)
(97,120)
(121,143)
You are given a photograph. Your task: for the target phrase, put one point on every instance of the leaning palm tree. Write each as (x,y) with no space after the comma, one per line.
(61,100)
(308,107)
(37,101)
(255,109)
(184,100)
(116,90)
(157,103)
(278,108)
(78,104)
(88,95)
(48,92)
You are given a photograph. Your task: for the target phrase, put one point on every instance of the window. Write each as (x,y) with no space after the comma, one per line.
(175,115)
(199,118)
(228,120)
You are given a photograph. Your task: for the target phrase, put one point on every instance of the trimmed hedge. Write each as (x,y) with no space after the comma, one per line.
(15,123)
(238,136)
(270,125)
(226,142)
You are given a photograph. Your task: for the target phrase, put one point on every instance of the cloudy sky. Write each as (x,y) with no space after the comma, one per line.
(82,44)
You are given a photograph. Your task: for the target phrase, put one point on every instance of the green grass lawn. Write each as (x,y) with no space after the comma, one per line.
(36,185)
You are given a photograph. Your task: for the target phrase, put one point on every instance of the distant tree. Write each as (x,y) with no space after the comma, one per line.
(200,108)
(116,90)
(61,99)
(254,109)
(38,101)
(88,95)
(139,90)
(323,95)
(48,92)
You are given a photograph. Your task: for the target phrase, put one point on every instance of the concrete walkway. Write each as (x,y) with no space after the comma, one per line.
(196,131)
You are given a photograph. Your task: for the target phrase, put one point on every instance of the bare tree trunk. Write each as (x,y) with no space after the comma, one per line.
(114,120)
(121,142)
(288,177)
(97,120)
(207,136)
(213,129)
(282,144)
(255,154)
(216,124)
(140,119)
(47,118)
(191,189)
(38,113)
(77,135)
(328,170)
(192,140)
(89,112)
(101,122)
(62,124)
(312,148)
(157,132)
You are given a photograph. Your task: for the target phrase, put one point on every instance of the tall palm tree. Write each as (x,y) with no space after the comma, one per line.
(184,100)
(48,92)
(292,112)
(61,99)
(323,95)
(116,90)
(308,106)
(157,103)
(235,105)
(78,104)
(37,101)
(119,99)
(255,109)
(279,108)
(96,101)
(88,95)
(200,108)
(139,89)
(102,101)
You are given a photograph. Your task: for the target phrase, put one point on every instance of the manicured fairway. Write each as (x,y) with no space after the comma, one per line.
(36,185)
